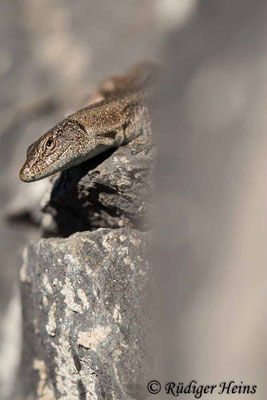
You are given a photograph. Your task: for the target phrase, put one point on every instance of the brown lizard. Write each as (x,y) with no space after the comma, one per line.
(116,120)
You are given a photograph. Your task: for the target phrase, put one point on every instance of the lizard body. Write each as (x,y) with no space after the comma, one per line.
(114,121)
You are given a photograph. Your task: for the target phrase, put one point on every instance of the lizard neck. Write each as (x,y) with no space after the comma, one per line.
(115,120)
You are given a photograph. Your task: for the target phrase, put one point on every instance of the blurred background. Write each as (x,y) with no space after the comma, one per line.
(211,224)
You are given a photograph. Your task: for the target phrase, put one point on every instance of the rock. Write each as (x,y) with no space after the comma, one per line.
(86,319)
(111,190)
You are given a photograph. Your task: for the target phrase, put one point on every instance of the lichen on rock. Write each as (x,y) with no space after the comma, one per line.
(91,334)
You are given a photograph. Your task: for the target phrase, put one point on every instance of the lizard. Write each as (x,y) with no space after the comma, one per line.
(119,118)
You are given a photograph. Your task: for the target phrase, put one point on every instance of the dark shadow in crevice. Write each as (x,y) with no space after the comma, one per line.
(65,205)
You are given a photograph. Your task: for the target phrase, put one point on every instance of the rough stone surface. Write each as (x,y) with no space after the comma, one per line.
(86,325)
(112,190)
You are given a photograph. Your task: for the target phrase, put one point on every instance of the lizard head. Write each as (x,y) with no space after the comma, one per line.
(56,150)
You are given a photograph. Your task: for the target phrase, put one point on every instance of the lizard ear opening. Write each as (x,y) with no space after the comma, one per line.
(110,134)
(112,137)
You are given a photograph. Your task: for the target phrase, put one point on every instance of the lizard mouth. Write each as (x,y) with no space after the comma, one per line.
(27,175)
(34,173)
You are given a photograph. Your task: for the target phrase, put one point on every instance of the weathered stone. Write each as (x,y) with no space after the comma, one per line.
(111,190)
(86,320)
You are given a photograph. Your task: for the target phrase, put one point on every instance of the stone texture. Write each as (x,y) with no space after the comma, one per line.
(111,190)
(85,312)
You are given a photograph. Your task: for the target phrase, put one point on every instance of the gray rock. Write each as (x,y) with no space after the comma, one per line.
(86,319)
(111,190)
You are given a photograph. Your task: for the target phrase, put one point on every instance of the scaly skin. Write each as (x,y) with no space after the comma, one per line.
(116,120)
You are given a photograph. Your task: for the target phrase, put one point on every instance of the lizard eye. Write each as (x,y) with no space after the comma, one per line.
(49,143)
